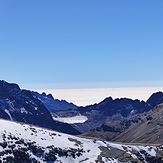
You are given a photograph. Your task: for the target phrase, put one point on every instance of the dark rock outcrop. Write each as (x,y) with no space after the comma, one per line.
(22,106)
(53,104)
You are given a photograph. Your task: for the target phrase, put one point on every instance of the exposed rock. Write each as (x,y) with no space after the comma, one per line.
(22,106)
(149,129)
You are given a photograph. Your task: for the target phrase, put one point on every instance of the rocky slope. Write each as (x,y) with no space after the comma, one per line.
(98,114)
(22,106)
(54,104)
(149,128)
(25,144)
(110,117)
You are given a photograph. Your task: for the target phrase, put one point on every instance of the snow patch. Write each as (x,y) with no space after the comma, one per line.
(23,110)
(148,149)
(134,156)
(36,108)
(8,113)
(117,146)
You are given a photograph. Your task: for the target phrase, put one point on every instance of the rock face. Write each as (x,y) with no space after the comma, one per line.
(110,117)
(54,104)
(22,106)
(155,99)
(149,128)
(107,111)
(25,144)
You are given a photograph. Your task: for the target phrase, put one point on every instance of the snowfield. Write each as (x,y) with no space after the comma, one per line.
(25,143)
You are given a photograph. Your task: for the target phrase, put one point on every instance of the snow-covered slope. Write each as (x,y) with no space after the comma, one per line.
(25,144)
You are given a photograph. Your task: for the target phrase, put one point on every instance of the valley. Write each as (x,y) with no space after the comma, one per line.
(38,128)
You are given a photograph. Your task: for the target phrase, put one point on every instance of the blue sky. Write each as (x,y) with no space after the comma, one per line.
(81,43)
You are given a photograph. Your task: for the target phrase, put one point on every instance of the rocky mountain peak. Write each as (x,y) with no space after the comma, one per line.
(7,89)
(155,99)
(23,106)
(48,95)
(53,104)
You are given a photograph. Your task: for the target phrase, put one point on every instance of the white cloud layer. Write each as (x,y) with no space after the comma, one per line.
(83,97)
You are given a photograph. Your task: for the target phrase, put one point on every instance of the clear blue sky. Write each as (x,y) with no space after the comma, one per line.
(81,43)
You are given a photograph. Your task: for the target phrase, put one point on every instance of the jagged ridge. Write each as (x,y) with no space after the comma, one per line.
(22,106)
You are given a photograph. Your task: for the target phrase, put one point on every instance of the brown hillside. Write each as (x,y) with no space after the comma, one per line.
(149,128)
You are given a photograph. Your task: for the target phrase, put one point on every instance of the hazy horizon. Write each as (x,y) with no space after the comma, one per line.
(88,96)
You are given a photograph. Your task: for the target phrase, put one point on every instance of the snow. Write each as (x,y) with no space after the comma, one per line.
(71,120)
(1,149)
(23,110)
(148,149)
(36,108)
(8,113)
(134,156)
(44,138)
(118,146)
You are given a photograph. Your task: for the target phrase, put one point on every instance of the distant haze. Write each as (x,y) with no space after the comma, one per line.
(83,97)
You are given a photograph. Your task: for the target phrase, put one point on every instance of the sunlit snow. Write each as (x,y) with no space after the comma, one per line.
(11,133)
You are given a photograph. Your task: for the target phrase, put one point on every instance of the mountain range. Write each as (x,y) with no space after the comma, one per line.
(111,117)
(106,120)
(136,125)
(23,106)
(122,120)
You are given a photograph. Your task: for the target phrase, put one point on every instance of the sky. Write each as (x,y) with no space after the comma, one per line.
(58,44)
